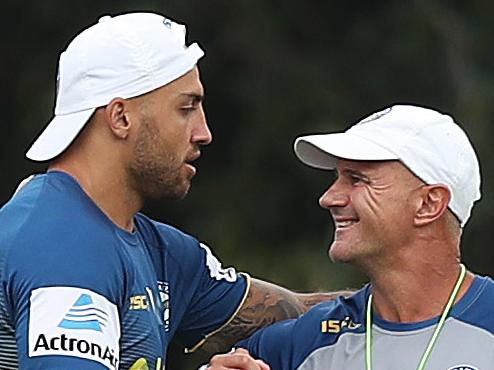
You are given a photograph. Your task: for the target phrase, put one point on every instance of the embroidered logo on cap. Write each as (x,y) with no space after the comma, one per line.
(375,116)
(167,23)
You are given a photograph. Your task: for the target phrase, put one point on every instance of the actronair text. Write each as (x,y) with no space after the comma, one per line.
(74,346)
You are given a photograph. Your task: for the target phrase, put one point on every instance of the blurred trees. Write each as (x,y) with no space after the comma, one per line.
(275,70)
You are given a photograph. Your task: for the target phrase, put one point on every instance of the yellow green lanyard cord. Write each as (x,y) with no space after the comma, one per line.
(442,320)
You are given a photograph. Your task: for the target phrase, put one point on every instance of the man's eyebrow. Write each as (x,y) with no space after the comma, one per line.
(354,172)
(196,97)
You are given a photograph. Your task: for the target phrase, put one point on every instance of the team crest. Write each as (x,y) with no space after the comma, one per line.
(463,367)
(164,290)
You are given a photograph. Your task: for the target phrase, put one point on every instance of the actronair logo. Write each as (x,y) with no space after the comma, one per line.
(84,315)
(74,345)
(76,322)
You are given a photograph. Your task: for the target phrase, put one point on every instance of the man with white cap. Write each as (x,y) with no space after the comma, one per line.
(87,282)
(407,179)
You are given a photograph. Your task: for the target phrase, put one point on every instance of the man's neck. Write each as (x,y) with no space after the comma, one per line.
(108,190)
(416,293)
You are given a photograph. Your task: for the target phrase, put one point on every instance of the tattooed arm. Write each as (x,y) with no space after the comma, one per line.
(265,304)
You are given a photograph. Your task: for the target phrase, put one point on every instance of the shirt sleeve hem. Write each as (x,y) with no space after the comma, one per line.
(196,346)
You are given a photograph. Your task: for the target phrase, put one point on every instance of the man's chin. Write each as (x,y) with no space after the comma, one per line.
(338,252)
(178,193)
(182,194)
(167,192)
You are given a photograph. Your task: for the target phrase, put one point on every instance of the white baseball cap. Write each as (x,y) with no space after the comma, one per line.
(430,144)
(122,56)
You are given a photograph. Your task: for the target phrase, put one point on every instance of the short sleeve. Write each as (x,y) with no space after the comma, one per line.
(273,345)
(219,292)
(61,299)
(288,345)
(61,321)
(201,295)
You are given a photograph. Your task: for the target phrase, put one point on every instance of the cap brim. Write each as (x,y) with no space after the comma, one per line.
(322,151)
(58,135)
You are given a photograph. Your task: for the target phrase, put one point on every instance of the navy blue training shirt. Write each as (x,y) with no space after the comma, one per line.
(78,292)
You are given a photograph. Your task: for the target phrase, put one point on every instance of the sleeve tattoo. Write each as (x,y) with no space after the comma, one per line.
(265,304)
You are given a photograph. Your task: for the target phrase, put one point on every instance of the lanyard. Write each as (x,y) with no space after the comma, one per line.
(432,341)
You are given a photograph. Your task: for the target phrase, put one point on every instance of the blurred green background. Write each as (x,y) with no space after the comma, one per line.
(274,70)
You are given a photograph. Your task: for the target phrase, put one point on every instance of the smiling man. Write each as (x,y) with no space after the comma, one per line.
(407,179)
(88,282)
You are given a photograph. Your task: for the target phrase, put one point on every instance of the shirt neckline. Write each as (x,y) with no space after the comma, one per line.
(463,304)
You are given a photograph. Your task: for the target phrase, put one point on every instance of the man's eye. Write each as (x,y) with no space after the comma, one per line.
(188,109)
(356,179)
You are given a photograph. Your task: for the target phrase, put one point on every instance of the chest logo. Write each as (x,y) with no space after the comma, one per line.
(139,302)
(336,326)
(463,367)
(156,302)
(164,290)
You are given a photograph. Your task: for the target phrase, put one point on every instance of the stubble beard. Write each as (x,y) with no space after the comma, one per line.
(362,254)
(156,173)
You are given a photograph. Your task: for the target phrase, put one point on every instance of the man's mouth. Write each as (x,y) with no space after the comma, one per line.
(191,158)
(345,223)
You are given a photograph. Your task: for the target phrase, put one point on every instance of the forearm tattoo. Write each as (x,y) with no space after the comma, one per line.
(265,304)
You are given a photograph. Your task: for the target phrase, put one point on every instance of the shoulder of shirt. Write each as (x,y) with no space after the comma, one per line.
(477,310)
(163,238)
(321,326)
(47,197)
(288,343)
(168,233)
(48,229)
(44,207)
(352,306)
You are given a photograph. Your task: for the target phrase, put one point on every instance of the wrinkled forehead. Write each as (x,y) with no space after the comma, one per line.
(393,169)
(385,166)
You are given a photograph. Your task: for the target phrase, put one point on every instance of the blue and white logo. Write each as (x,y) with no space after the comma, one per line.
(76,322)
(463,367)
(84,315)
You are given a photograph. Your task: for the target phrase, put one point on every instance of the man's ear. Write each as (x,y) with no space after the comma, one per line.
(118,118)
(434,200)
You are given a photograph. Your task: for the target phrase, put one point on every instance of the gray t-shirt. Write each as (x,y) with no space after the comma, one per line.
(331,336)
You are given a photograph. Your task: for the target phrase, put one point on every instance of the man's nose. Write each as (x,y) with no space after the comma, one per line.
(334,196)
(202,134)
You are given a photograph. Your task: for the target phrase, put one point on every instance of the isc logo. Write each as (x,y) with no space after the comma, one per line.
(139,302)
(335,326)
